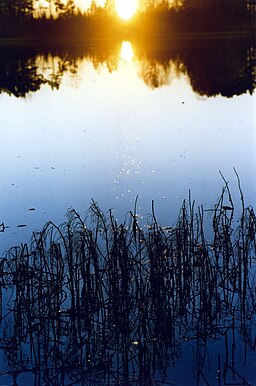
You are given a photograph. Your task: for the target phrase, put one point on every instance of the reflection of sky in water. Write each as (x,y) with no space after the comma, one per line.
(110,137)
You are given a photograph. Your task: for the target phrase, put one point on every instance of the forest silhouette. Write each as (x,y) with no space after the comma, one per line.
(93,300)
(19,19)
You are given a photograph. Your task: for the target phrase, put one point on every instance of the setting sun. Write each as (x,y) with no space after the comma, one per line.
(126,8)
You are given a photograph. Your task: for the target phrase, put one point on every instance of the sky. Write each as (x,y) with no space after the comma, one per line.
(85,4)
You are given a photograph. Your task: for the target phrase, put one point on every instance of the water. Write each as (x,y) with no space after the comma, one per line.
(111,124)
(113,121)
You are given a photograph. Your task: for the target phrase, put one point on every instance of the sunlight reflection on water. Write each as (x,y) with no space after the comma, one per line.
(126,51)
(112,124)
(119,123)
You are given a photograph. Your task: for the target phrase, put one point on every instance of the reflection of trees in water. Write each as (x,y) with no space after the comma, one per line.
(156,74)
(99,61)
(213,66)
(18,74)
(96,301)
(216,66)
(25,72)
(222,67)
(53,68)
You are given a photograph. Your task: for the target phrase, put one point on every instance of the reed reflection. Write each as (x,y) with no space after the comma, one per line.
(94,301)
(216,67)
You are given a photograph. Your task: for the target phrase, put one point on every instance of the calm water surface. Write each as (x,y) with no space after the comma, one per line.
(128,120)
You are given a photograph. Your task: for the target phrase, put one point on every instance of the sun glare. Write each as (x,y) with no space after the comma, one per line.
(126,8)
(126,51)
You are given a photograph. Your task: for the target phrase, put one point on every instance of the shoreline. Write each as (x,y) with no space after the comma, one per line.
(45,40)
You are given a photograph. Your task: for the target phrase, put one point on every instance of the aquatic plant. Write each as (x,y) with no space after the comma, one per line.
(98,302)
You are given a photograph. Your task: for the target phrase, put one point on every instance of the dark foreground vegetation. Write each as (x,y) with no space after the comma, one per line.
(20,19)
(94,302)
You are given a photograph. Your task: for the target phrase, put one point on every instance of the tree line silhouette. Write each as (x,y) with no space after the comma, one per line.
(214,67)
(20,18)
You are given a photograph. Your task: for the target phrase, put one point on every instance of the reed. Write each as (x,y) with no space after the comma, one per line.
(94,300)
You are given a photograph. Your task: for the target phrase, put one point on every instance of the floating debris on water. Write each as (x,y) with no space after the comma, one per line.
(3,227)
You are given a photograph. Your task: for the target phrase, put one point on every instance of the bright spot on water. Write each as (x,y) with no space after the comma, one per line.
(126,51)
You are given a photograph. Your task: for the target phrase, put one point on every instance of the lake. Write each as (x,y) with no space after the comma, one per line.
(124,122)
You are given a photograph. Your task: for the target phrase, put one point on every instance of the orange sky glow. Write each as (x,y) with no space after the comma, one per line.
(124,8)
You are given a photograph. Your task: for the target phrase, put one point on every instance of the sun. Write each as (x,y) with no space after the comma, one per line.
(126,8)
